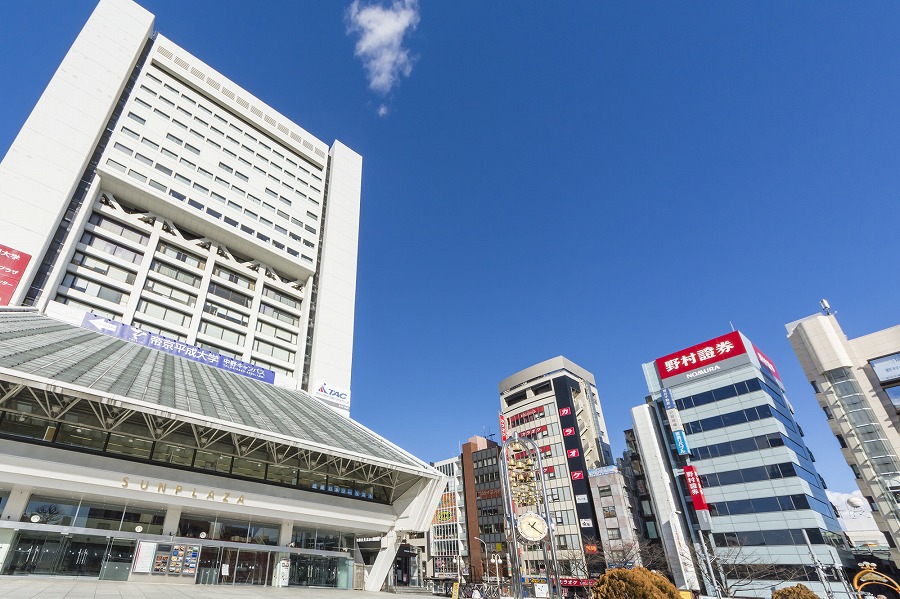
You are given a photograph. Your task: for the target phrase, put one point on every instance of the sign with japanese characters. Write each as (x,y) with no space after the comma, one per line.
(176,348)
(502,427)
(696,491)
(702,358)
(887,369)
(603,470)
(766,363)
(681,444)
(12,265)
(700,506)
(668,399)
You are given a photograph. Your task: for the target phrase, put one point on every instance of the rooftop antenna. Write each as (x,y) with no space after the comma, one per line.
(826,307)
(731,325)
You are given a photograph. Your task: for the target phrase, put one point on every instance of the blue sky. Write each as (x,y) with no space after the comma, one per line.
(606,181)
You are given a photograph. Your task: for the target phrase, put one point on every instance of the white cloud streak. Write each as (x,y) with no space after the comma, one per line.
(381,30)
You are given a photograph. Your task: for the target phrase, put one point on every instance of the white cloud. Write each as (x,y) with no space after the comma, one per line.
(383,110)
(381,30)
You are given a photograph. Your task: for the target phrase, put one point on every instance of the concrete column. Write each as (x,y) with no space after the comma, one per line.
(16,503)
(170,523)
(383,563)
(284,536)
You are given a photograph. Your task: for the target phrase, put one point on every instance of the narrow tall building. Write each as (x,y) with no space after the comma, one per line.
(719,425)
(148,188)
(555,403)
(857,383)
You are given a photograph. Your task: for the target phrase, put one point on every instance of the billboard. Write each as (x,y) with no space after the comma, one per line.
(700,359)
(125,332)
(12,265)
(700,506)
(766,363)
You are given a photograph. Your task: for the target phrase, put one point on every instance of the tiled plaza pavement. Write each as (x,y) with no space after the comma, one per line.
(13,587)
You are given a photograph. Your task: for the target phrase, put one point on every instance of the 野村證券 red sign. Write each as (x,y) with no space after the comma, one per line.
(700,355)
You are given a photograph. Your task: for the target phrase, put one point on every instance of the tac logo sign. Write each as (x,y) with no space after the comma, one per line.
(332,394)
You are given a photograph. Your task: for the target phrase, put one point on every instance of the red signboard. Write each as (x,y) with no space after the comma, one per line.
(568,431)
(502,427)
(565,411)
(533,431)
(572,453)
(766,363)
(577,475)
(693,484)
(700,355)
(576,582)
(12,265)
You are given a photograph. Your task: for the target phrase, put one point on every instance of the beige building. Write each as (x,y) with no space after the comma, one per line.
(857,383)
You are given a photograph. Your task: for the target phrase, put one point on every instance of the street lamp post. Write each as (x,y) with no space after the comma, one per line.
(483,556)
(497,559)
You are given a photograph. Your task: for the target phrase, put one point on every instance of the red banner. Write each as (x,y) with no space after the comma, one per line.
(766,363)
(12,265)
(693,483)
(502,427)
(700,355)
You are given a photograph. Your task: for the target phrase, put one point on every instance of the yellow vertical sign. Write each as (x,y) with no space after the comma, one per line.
(455,594)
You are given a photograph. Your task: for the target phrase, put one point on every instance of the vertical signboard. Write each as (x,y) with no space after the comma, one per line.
(681,444)
(502,427)
(700,506)
(574,452)
(12,265)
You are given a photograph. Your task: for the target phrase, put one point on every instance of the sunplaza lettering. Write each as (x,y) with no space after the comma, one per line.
(167,488)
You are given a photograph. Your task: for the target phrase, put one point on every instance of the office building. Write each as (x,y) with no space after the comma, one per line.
(148,188)
(857,383)
(619,545)
(485,516)
(727,454)
(448,547)
(178,266)
(555,403)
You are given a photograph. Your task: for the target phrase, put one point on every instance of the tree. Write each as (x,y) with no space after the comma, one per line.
(797,591)
(741,570)
(635,583)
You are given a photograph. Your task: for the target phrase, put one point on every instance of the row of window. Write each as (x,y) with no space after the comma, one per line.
(727,392)
(130,447)
(769,538)
(277,151)
(199,187)
(738,417)
(757,505)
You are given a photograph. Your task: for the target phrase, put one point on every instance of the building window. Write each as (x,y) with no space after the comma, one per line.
(273,350)
(609,511)
(614,533)
(605,491)
(163,313)
(97,290)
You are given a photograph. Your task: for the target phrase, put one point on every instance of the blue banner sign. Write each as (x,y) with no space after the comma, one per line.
(681,443)
(668,399)
(175,348)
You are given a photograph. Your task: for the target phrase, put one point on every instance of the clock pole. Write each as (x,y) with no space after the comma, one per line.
(523,487)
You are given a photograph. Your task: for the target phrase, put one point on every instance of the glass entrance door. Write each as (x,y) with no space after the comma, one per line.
(34,553)
(68,555)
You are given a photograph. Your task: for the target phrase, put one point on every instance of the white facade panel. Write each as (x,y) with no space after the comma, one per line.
(69,118)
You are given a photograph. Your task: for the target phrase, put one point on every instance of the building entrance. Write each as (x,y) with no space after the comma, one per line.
(51,554)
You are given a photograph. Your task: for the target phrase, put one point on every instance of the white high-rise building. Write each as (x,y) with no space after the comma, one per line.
(178,264)
(147,188)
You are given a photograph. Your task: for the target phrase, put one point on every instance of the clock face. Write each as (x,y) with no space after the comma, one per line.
(532,527)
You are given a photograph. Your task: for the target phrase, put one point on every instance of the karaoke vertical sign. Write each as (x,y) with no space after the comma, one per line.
(12,265)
